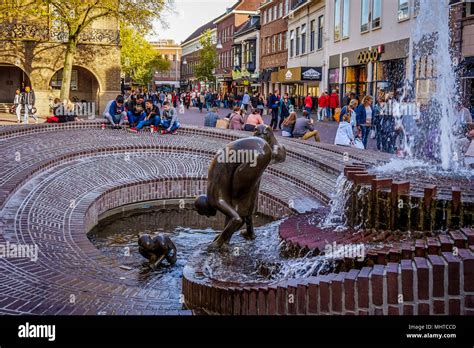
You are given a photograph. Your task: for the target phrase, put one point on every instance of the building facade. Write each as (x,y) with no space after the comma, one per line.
(190,57)
(32,54)
(306,69)
(172,52)
(227,25)
(369,45)
(246,51)
(273,43)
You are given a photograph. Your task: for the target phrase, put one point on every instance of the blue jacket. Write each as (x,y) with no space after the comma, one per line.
(361,114)
(115,109)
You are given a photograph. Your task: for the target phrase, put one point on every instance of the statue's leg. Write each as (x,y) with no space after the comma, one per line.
(249,233)
(234,223)
(155,264)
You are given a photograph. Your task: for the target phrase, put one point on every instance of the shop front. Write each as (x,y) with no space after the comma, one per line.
(244,81)
(300,81)
(377,70)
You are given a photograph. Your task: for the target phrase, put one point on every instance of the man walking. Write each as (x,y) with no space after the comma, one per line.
(274,103)
(308,103)
(246,101)
(28,102)
(17,102)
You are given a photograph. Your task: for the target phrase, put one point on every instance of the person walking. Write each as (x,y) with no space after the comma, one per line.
(201,101)
(377,124)
(284,110)
(308,103)
(28,103)
(245,101)
(333,103)
(323,102)
(364,118)
(274,100)
(17,103)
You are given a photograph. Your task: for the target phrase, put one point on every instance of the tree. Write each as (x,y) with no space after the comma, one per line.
(138,57)
(74,16)
(207,58)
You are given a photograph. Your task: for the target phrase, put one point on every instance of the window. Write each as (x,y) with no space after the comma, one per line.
(337,20)
(364,16)
(297,41)
(292,43)
(270,13)
(345,18)
(280,10)
(312,35)
(377,13)
(303,39)
(57,80)
(284,41)
(275,12)
(280,41)
(265,17)
(274,43)
(287,6)
(403,10)
(320,31)
(469,9)
(268,44)
(416,8)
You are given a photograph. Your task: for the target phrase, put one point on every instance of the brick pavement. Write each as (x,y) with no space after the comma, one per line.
(56,179)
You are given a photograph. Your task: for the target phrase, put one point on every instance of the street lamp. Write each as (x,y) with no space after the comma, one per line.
(185,62)
(219,45)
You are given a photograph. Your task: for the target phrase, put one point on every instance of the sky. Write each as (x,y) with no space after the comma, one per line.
(189,15)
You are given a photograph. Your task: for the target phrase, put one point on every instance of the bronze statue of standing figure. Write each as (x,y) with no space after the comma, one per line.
(234,181)
(157,249)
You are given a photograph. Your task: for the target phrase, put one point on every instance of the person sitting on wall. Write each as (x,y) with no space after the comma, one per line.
(152,117)
(304,128)
(253,120)
(169,119)
(136,111)
(345,133)
(210,120)
(115,112)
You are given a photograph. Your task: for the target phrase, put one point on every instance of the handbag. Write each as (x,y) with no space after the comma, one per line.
(223,123)
(358,144)
(372,133)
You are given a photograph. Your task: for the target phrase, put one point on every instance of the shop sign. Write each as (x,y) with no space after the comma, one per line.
(369,56)
(311,74)
(289,75)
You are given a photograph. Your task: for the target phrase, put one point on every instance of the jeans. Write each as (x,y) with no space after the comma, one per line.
(116,119)
(27,110)
(365,134)
(328,113)
(208,105)
(132,119)
(166,124)
(378,136)
(145,123)
(321,114)
(226,104)
(274,122)
(308,110)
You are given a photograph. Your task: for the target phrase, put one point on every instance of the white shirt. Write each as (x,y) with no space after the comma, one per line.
(368,111)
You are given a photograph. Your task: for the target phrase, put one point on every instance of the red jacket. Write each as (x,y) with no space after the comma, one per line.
(308,102)
(323,101)
(334,101)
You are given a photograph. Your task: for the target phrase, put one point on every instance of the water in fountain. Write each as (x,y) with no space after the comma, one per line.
(336,218)
(261,260)
(434,136)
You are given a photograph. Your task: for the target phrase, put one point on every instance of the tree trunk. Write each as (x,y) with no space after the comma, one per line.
(67,70)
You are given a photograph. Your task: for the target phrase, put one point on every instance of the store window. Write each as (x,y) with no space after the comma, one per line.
(403,10)
(312,35)
(320,31)
(355,80)
(334,78)
(303,39)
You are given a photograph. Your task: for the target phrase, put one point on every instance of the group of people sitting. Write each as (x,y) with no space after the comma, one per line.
(141,113)
(293,126)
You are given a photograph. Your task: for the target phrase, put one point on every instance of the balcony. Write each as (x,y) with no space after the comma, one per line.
(29,32)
